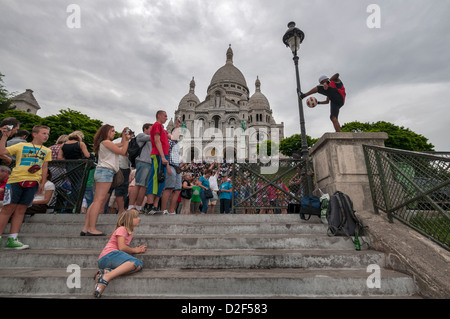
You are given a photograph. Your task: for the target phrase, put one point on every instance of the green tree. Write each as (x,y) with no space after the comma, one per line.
(398,136)
(5,96)
(27,120)
(67,121)
(294,143)
(267,147)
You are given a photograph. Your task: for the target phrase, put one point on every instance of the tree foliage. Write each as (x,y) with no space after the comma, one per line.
(65,122)
(5,98)
(398,136)
(27,120)
(267,147)
(294,143)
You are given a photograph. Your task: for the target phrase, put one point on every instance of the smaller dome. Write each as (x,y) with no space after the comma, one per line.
(258,101)
(190,100)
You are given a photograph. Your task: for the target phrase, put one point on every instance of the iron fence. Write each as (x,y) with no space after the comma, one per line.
(412,187)
(69,177)
(256,192)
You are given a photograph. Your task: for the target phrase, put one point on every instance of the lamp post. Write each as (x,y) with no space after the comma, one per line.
(292,39)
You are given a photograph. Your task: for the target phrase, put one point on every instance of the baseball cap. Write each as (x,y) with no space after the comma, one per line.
(323,77)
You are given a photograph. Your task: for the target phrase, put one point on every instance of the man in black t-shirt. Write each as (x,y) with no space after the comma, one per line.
(334,90)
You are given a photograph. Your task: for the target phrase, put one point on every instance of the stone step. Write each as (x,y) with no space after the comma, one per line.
(199,258)
(229,283)
(232,218)
(148,226)
(194,241)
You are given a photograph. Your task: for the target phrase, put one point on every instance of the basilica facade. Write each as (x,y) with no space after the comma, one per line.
(230,122)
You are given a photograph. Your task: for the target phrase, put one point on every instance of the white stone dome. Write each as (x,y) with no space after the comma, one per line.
(190,100)
(258,101)
(228,73)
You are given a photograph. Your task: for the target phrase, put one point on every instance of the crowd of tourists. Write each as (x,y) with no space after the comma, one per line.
(141,174)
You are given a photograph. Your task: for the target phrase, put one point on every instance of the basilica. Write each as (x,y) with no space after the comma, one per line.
(230,122)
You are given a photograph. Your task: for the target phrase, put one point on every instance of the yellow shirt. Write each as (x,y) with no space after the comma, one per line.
(28,155)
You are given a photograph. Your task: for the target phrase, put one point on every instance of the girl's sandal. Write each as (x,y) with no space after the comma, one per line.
(101,272)
(100,287)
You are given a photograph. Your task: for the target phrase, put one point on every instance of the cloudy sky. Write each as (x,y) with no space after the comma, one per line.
(122,60)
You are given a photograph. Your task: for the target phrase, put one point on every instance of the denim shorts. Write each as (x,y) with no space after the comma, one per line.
(173,181)
(143,171)
(103,175)
(116,258)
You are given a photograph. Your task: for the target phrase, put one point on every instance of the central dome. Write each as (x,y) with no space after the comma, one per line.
(228,73)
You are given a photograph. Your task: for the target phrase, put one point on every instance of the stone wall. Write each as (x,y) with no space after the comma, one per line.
(339,165)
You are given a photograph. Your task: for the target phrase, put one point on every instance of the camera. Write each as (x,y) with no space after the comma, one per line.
(9,127)
(130,132)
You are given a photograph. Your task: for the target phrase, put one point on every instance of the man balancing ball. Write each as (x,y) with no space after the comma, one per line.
(334,90)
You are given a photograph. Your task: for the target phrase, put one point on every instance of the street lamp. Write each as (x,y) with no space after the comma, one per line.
(292,39)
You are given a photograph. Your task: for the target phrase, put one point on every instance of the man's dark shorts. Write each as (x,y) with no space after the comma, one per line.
(336,100)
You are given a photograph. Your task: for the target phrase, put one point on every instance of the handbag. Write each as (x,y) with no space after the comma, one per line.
(118,179)
(208,193)
(310,205)
(186,193)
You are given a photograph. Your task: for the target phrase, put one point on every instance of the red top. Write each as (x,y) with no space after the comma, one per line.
(341,90)
(112,244)
(157,128)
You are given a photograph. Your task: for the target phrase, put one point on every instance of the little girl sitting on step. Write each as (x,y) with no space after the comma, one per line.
(115,259)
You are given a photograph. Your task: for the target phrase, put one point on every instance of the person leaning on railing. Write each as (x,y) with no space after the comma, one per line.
(74,149)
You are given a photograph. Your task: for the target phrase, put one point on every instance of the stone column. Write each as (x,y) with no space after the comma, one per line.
(339,165)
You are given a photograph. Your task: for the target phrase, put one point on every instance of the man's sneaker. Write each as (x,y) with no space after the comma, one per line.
(172,213)
(165,212)
(145,209)
(152,211)
(15,244)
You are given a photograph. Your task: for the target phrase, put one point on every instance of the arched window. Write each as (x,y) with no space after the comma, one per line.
(216,120)
(232,122)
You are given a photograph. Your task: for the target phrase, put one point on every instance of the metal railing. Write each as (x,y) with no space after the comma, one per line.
(412,187)
(256,192)
(69,177)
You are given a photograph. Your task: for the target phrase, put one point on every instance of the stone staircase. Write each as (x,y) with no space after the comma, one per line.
(199,256)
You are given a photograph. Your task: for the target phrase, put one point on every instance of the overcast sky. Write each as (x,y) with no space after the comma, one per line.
(129,58)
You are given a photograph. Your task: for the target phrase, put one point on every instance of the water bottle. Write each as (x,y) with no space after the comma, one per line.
(357,244)
(324,200)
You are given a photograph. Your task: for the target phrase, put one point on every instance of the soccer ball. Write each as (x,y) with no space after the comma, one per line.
(311,101)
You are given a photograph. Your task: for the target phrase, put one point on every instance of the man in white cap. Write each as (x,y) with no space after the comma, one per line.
(334,90)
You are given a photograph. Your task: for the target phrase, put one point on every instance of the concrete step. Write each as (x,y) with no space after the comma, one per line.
(151,227)
(232,218)
(230,283)
(199,258)
(194,241)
